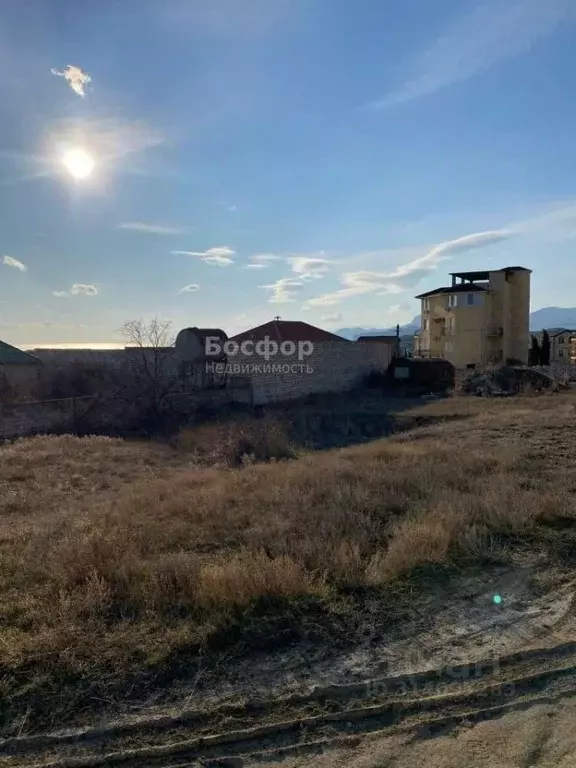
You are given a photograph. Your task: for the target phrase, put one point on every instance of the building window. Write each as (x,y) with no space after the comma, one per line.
(561,340)
(425,304)
(452,299)
(560,353)
(425,323)
(470,299)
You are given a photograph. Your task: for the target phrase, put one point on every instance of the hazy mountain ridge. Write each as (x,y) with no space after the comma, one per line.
(405,330)
(547,317)
(553,317)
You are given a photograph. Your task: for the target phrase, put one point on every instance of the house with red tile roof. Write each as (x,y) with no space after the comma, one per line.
(288,330)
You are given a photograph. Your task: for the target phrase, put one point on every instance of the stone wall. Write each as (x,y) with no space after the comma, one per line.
(81,413)
(251,380)
(559,370)
(167,363)
(18,382)
(55,357)
(332,367)
(23,419)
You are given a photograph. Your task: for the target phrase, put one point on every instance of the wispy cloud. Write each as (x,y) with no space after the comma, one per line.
(152,229)
(309,267)
(110,140)
(189,288)
(442,251)
(335,317)
(78,289)
(9,261)
(222,20)
(355,284)
(220,256)
(408,274)
(488,33)
(283,291)
(552,222)
(75,77)
(396,309)
(262,260)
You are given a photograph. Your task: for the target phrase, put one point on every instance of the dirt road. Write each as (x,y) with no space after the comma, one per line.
(411,708)
(478,669)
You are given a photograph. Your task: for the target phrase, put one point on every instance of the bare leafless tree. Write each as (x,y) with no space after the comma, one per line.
(152,369)
(156,334)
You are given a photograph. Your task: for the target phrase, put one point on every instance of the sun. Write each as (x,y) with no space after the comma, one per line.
(79,163)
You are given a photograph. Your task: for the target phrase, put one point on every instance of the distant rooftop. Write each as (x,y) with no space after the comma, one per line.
(377,337)
(10,355)
(287,330)
(461,288)
(555,331)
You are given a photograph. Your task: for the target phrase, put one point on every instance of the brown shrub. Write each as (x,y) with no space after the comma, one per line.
(237,442)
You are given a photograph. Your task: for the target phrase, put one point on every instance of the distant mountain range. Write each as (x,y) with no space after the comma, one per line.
(553,317)
(405,330)
(548,317)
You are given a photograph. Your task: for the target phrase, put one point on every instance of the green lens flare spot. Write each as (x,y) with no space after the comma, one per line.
(497,599)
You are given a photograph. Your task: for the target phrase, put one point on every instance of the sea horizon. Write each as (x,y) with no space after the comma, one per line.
(77,345)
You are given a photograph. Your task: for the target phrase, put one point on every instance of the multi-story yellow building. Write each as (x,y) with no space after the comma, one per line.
(482,317)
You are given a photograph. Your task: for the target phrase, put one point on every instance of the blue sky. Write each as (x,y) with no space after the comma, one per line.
(322,160)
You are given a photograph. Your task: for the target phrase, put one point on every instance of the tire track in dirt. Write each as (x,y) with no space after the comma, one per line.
(423,703)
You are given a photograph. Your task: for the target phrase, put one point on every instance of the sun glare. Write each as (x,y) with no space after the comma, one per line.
(79,163)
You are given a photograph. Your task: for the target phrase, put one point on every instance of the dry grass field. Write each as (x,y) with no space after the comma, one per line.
(121,562)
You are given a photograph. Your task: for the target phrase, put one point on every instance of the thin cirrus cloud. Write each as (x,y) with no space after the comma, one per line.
(397,309)
(78,289)
(309,267)
(335,317)
(262,261)
(151,229)
(109,139)
(306,267)
(192,288)
(406,275)
(354,284)
(76,78)
(481,37)
(9,261)
(220,256)
(283,291)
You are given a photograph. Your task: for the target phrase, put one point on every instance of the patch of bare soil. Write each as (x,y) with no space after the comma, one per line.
(540,737)
(459,660)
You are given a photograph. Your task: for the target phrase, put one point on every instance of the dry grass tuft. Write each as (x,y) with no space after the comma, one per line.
(237,442)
